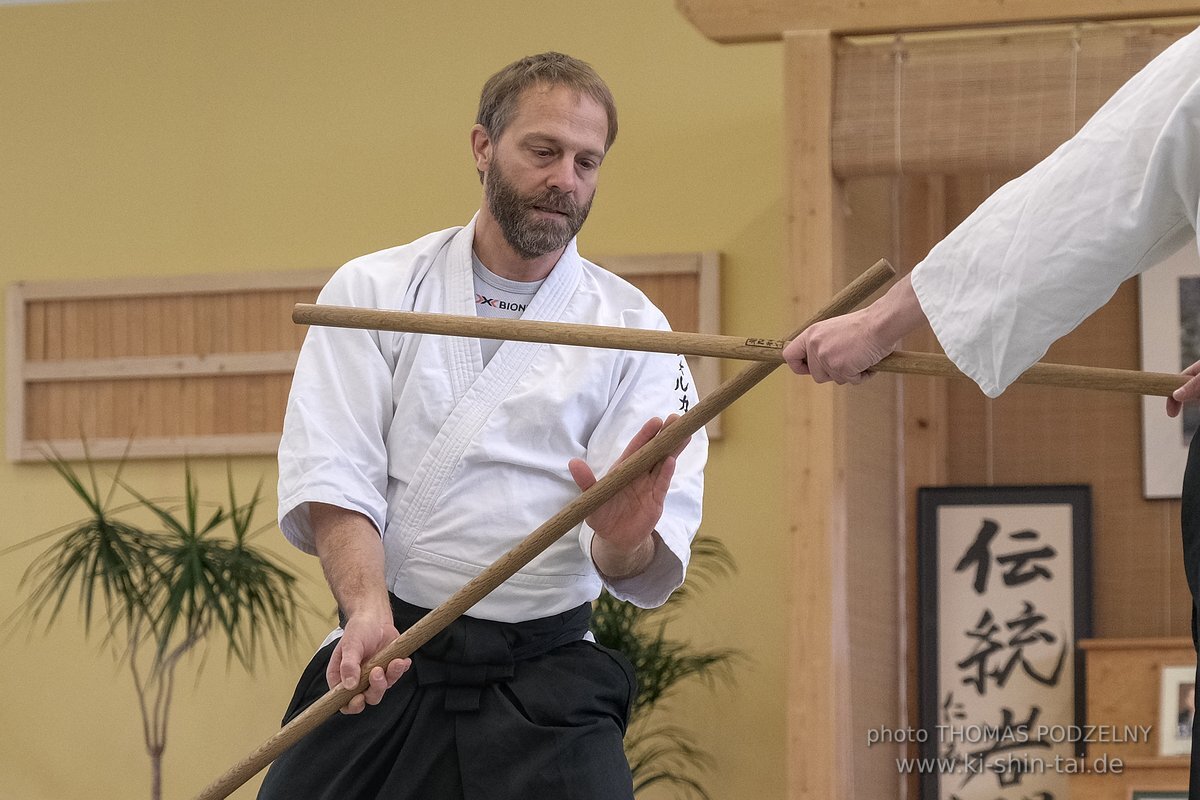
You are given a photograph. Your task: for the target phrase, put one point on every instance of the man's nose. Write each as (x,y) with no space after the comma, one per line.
(563,177)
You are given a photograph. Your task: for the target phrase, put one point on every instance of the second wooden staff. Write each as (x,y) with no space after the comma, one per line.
(701,344)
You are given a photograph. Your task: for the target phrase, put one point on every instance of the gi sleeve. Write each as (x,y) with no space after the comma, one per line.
(654,385)
(338,412)
(1049,248)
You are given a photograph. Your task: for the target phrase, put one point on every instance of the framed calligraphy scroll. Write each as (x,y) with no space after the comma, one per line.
(1004,597)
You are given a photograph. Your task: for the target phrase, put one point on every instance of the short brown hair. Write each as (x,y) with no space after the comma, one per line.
(498,101)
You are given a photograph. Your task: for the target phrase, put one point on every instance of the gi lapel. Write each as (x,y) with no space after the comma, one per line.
(462,355)
(476,393)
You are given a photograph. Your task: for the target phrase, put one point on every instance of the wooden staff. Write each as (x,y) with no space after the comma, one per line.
(508,564)
(701,344)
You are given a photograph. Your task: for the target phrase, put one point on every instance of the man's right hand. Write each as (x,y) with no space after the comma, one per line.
(363,637)
(352,557)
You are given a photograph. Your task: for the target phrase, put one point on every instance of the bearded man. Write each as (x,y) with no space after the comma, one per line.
(410,463)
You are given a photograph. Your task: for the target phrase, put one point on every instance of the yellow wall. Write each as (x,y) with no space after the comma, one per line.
(169,138)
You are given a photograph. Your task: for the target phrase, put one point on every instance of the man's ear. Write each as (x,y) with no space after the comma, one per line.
(481,148)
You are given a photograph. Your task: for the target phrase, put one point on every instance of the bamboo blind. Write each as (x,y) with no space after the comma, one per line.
(201,365)
(978,101)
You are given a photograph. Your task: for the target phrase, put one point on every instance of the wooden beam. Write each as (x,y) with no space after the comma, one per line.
(180,366)
(188,285)
(818,692)
(233,444)
(730,21)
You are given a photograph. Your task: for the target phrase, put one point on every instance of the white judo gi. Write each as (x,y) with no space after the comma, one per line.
(1052,246)
(455,462)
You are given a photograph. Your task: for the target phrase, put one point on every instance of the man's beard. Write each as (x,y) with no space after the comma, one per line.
(529,235)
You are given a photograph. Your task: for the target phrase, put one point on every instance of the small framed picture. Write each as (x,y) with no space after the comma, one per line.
(1177,711)
(1170,308)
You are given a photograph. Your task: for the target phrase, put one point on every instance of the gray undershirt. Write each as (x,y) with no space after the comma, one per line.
(499,297)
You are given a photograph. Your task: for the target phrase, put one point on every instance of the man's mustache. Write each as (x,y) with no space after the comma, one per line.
(555,202)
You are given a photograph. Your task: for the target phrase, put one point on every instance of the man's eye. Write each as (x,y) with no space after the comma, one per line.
(587,164)
(541,152)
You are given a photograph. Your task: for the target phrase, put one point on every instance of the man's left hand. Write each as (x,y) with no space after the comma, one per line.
(625,542)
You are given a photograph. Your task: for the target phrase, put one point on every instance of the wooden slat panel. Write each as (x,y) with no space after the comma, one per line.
(53,331)
(120,311)
(148,319)
(101,331)
(151,408)
(77,345)
(162,326)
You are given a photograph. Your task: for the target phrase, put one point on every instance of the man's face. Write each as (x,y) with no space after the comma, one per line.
(540,175)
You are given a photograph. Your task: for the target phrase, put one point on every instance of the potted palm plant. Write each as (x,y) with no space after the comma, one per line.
(161,590)
(660,753)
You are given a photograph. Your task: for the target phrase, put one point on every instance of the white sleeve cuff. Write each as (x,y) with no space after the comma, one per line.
(654,585)
(296,524)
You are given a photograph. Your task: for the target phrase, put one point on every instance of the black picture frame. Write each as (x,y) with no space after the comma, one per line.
(935,589)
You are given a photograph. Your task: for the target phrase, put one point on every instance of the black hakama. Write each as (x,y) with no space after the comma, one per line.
(1190,524)
(488,711)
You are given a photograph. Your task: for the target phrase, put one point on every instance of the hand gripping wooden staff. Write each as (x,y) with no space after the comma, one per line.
(702,344)
(507,565)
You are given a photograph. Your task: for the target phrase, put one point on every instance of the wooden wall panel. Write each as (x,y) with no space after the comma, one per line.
(201,365)
(197,365)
